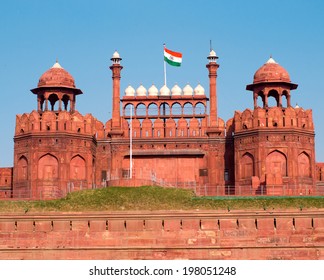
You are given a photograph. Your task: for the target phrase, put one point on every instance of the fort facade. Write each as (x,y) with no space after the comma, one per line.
(168,137)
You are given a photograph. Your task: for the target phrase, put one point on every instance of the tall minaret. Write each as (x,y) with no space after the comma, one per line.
(212,67)
(116,69)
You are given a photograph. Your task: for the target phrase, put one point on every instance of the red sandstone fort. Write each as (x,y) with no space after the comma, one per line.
(164,137)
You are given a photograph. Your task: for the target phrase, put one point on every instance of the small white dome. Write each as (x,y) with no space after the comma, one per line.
(164,91)
(212,53)
(297,107)
(116,55)
(176,90)
(141,91)
(199,90)
(153,91)
(187,90)
(130,91)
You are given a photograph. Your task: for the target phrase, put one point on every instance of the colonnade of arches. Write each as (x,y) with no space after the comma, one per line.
(271,98)
(154,109)
(55,102)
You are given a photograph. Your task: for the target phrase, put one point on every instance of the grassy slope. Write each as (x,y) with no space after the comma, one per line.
(155,198)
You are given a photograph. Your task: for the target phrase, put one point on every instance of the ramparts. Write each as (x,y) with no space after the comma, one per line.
(164,235)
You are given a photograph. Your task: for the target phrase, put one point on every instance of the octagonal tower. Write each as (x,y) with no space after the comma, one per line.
(54,150)
(274,144)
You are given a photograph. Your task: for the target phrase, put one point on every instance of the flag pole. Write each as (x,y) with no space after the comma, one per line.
(164,67)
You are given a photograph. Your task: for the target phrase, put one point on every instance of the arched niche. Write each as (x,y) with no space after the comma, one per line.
(276,163)
(304,166)
(77,168)
(22,169)
(48,167)
(247,163)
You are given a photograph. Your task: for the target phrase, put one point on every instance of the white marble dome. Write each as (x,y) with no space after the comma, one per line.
(130,91)
(199,90)
(153,91)
(141,91)
(187,90)
(176,90)
(164,91)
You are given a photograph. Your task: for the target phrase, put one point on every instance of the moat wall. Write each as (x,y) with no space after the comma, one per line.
(164,235)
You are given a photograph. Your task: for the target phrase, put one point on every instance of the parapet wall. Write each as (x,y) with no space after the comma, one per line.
(164,235)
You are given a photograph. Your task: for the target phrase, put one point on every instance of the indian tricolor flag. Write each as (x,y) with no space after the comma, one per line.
(173,58)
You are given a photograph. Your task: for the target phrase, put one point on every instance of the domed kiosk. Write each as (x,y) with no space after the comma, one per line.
(271,80)
(56,84)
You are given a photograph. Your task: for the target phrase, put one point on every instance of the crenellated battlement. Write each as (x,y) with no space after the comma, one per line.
(54,122)
(274,117)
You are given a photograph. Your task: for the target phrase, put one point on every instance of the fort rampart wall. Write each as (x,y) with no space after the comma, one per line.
(164,235)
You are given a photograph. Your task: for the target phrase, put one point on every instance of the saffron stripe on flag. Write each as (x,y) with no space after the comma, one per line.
(176,54)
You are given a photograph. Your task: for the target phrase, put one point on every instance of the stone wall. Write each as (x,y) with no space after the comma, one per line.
(164,235)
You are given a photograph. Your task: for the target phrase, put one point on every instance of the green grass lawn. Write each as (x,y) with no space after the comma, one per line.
(155,198)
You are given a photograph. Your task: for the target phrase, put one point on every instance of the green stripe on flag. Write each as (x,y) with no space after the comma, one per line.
(172,62)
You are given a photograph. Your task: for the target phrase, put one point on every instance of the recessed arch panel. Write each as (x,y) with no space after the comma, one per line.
(77,168)
(48,167)
(304,166)
(276,163)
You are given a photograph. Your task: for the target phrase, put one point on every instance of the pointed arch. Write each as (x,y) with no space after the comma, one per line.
(176,109)
(77,168)
(276,163)
(273,98)
(22,169)
(140,109)
(48,167)
(247,163)
(53,98)
(304,166)
(152,109)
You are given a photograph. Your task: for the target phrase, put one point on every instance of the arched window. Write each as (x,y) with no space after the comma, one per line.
(165,109)
(188,109)
(140,110)
(260,100)
(200,109)
(129,109)
(176,109)
(153,109)
(273,98)
(66,102)
(284,99)
(53,101)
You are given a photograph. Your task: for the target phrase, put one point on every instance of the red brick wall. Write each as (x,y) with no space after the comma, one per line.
(164,235)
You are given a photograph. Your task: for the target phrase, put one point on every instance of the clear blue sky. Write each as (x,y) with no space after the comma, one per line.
(84,34)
